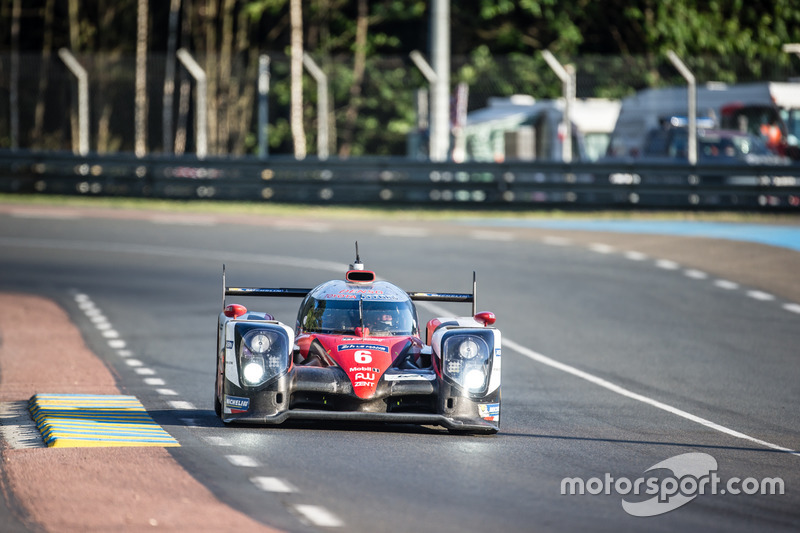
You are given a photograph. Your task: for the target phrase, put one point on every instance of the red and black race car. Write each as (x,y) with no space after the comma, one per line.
(356,354)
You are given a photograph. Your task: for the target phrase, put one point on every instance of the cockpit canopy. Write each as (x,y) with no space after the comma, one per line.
(339,307)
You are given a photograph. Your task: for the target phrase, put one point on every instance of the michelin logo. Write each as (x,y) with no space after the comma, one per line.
(489,410)
(239,404)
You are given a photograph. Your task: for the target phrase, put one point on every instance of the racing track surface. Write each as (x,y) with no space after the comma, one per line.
(614,361)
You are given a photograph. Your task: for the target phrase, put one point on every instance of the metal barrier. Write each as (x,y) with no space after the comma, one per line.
(396,181)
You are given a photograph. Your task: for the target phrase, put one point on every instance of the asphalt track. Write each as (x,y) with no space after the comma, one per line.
(614,361)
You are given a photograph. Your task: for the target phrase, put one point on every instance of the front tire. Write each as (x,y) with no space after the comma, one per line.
(217,404)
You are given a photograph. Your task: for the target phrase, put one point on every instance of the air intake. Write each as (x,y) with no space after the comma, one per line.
(360,276)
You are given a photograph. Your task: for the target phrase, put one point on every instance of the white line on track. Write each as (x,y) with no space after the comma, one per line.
(666,264)
(180,404)
(244,461)
(543,359)
(695,274)
(761,296)
(601,248)
(218,441)
(727,285)
(794,308)
(154,382)
(144,371)
(318,516)
(166,392)
(635,256)
(272,484)
(638,397)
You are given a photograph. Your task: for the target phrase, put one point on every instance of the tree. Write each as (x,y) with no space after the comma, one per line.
(298,131)
(141,80)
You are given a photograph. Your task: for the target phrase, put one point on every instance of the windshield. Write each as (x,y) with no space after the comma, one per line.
(732,146)
(343,316)
(791,117)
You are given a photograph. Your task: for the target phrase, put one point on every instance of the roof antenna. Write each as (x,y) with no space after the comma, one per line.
(358,265)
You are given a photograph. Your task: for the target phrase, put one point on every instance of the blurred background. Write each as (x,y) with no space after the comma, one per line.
(377,98)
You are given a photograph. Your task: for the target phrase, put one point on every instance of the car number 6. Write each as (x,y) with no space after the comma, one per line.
(363,356)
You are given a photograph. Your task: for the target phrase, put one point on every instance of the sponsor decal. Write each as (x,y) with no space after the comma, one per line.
(376,347)
(369,297)
(409,377)
(489,411)
(237,404)
(229,345)
(360,291)
(497,352)
(363,369)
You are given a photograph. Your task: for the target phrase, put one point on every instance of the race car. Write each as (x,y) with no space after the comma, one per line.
(356,354)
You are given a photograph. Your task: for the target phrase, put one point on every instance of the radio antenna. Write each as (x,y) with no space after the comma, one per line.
(357,265)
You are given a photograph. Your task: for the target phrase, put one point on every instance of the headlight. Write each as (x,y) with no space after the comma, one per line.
(466,361)
(468,348)
(259,343)
(263,353)
(253,372)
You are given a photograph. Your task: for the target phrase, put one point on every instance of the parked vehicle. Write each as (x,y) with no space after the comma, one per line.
(523,128)
(770,110)
(669,144)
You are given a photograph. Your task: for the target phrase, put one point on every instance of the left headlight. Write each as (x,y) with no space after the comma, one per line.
(262,352)
(466,361)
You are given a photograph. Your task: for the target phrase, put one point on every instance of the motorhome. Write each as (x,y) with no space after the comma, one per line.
(523,128)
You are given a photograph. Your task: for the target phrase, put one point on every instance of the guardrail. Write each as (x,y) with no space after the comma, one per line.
(400,181)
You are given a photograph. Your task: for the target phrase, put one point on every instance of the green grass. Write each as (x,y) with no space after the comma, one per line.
(368,212)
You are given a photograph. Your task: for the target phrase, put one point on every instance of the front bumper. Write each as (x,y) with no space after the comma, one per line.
(401,397)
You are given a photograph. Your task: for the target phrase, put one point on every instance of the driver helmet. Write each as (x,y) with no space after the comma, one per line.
(380,320)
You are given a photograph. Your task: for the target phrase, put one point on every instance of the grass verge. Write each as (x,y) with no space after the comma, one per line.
(433,212)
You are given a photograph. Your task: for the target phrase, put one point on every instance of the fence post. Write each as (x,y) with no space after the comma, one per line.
(430,76)
(690,79)
(263,106)
(567,77)
(322,105)
(440,97)
(83,98)
(201,111)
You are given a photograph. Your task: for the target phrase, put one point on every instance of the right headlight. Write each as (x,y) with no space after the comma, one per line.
(262,353)
(466,361)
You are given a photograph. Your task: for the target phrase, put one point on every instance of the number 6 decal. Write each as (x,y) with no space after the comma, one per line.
(363,356)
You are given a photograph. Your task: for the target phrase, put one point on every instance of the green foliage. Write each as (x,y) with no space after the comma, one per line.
(617,46)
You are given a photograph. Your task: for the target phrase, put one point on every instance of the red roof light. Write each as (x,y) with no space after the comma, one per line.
(486,318)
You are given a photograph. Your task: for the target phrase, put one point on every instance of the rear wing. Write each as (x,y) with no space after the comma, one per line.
(301,293)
